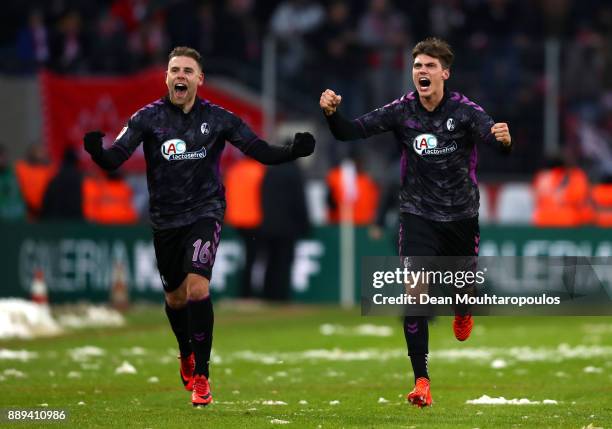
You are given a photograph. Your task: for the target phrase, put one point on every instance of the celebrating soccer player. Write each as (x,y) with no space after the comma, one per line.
(183,137)
(437,131)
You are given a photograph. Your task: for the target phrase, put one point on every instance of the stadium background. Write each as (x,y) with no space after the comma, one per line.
(67,66)
(70,66)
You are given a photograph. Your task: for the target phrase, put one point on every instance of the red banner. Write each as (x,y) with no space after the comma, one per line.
(74,105)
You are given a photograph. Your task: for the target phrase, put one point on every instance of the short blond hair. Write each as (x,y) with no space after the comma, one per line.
(185,51)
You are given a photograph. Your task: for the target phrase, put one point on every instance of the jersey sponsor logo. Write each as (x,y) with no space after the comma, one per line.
(450,124)
(121,133)
(176,150)
(205,128)
(427,144)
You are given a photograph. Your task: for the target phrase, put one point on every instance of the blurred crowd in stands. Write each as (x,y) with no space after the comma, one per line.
(362,50)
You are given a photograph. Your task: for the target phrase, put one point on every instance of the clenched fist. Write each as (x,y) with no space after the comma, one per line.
(502,133)
(329,102)
(93,142)
(303,144)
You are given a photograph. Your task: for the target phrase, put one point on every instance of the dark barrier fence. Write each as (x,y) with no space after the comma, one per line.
(83,262)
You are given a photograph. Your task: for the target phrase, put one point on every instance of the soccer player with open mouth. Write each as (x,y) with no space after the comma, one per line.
(437,131)
(183,137)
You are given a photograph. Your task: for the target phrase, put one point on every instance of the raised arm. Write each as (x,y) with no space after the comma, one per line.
(108,159)
(501,132)
(491,132)
(125,144)
(341,128)
(381,120)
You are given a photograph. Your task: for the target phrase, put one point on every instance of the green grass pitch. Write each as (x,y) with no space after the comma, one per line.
(273,366)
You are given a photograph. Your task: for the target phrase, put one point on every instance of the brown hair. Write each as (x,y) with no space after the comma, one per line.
(435,48)
(184,51)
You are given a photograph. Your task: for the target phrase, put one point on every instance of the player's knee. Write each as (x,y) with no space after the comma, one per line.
(177,299)
(197,287)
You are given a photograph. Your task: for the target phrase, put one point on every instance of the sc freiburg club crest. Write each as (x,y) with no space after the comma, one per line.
(205,128)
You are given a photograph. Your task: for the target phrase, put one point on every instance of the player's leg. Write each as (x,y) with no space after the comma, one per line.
(201,322)
(168,251)
(416,332)
(417,238)
(462,238)
(176,310)
(178,316)
(201,246)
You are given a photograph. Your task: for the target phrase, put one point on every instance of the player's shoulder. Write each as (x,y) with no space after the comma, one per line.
(215,109)
(463,102)
(216,112)
(407,100)
(401,104)
(149,110)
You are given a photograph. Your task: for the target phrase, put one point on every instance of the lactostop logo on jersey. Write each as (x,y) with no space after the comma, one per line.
(427,144)
(176,150)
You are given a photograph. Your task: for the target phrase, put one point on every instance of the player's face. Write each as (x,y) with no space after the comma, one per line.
(182,79)
(428,75)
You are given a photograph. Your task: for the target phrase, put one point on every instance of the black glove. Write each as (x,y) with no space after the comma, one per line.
(93,142)
(303,145)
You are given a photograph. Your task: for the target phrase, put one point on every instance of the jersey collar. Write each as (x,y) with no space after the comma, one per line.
(439,107)
(196,105)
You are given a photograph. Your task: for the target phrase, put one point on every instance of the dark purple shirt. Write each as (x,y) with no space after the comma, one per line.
(182,153)
(439,153)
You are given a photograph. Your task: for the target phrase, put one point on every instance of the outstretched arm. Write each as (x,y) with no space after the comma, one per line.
(303,145)
(124,146)
(240,135)
(340,127)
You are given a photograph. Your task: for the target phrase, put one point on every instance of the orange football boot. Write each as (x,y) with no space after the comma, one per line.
(421,394)
(462,326)
(201,396)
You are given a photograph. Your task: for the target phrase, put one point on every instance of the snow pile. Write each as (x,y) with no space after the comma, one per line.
(499,363)
(88,316)
(264,358)
(487,400)
(125,368)
(25,319)
(134,351)
(12,372)
(525,353)
(22,355)
(274,402)
(364,330)
(85,353)
(20,318)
